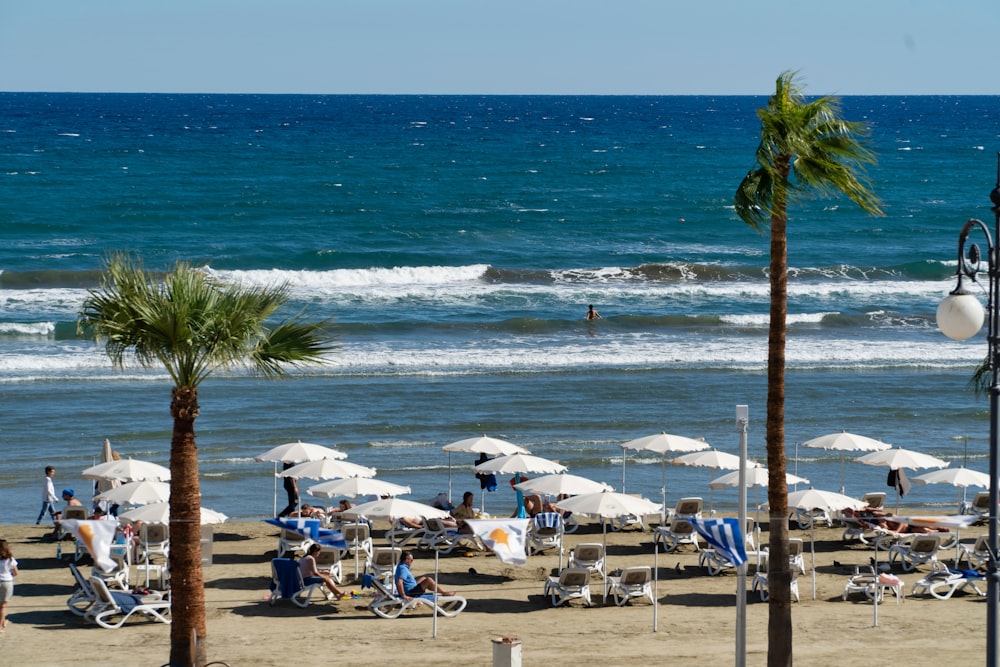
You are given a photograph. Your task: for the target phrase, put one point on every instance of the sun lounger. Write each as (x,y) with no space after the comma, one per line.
(111,605)
(388,604)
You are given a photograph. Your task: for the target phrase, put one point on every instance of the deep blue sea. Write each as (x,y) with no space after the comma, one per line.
(456,242)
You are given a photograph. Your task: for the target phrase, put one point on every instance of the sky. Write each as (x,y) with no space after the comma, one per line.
(617,47)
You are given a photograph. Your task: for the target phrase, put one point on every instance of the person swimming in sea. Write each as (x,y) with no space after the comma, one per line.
(592,314)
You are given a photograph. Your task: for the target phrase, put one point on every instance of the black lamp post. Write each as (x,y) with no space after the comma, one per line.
(961,316)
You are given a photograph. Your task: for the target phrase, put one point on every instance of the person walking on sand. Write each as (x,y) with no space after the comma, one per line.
(592,314)
(292,491)
(8,570)
(48,496)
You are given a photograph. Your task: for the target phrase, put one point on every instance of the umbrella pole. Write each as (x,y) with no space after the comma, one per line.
(843,474)
(275,512)
(623,469)
(449,477)
(605,526)
(437,581)
(656,581)
(663,488)
(812,554)
(875,590)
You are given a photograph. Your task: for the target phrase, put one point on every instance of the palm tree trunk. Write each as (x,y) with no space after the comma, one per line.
(187,582)
(779,627)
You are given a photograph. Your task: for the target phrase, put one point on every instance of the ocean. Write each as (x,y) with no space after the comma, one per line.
(456,242)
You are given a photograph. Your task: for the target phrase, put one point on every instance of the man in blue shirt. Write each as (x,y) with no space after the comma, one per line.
(408,586)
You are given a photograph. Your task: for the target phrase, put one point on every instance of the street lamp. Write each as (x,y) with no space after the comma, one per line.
(960,316)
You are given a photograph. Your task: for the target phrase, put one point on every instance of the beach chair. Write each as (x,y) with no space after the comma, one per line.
(112,608)
(872,585)
(588,556)
(388,604)
(328,561)
(287,584)
(679,531)
(874,500)
(290,541)
(760,585)
(154,540)
(83,596)
(713,561)
(573,583)
(976,556)
(119,576)
(795,555)
(687,508)
(980,505)
(918,551)
(383,562)
(80,514)
(634,582)
(358,537)
(400,534)
(942,583)
(545,532)
(806,518)
(439,537)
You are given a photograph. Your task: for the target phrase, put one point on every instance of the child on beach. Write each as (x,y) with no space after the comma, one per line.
(8,570)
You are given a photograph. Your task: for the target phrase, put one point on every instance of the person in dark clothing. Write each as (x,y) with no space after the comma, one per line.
(292,489)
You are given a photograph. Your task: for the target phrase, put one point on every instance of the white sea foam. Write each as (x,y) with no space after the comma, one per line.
(354,278)
(27,328)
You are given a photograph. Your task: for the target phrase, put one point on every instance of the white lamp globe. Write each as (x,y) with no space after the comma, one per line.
(960,316)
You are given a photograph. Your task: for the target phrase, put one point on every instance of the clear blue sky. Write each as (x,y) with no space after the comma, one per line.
(503,47)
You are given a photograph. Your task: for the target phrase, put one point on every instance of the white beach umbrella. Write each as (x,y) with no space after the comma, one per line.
(160,513)
(562,483)
(756,477)
(327,469)
(714,459)
(127,470)
(898,458)
(515,464)
(296,452)
(960,477)
(825,500)
(481,445)
(137,493)
(902,458)
(519,463)
(357,486)
(608,505)
(662,444)
(846,442)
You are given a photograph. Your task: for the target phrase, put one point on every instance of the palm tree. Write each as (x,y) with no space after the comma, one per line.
(804,147)
(192,325)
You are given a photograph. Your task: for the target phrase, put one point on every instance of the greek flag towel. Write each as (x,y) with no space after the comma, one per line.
(725,535)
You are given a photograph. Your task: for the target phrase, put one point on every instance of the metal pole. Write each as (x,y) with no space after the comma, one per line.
(742,419)
(993,578)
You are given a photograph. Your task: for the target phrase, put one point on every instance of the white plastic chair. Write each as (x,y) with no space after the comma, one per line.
(573,583)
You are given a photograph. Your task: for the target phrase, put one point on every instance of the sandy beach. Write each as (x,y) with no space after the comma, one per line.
(696,613)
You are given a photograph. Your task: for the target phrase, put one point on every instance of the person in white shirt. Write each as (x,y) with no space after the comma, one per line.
(8,570)
(48,496)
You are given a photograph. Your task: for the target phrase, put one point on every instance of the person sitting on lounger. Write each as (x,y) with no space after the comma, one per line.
(408,586)
(312,575)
